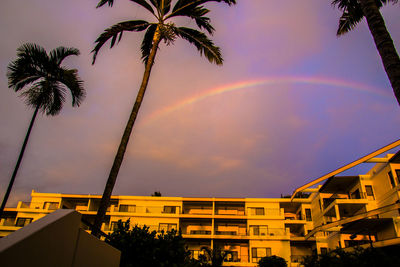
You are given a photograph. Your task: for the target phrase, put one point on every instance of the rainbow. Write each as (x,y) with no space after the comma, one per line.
(264,81)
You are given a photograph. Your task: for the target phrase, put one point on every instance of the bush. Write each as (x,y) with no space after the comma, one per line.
(360,257)
(272,261)
(140,247)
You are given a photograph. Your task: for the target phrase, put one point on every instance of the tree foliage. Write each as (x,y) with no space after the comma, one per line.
(213,257)
(360,257)
(141,247)
(42,80)
(272,261)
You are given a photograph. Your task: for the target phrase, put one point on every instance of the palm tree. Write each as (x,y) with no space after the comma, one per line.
(353,12)
(44,82)
(161,30)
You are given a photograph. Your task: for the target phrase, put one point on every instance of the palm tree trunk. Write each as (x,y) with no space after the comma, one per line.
(21,154)
(384,44)
(105,200)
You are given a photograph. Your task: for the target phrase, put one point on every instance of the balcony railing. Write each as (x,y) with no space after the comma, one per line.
(328,201)
(7,221)
(232,211)
(266,231)
(197,210)
(197,232)
(148,209)
(39,205)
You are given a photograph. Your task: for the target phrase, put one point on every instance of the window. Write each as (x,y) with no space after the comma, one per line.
(21,222)
(398,175)
(259,229)
(169,209)
(256,211)
(369,191)
(308,214)
(391,179)
(258,253)
(166,227)
(324,250)
(50,205)
(256,230)
(127,208)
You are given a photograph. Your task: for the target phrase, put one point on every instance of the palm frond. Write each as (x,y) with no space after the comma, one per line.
(22,81)
(349,20)
(165,6)
(56,99)
(156,3)
(202,43)
(103,2)
(58,54)
(33,55)
(29,66)
(144,4)
(71,80)
(189,4)
(20,74)
(197,13)
(46,95)
(115,30)
(147,42)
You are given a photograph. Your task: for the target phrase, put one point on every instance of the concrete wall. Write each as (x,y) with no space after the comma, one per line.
(56,240)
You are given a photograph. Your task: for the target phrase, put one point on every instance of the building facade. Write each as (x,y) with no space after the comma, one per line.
(344,211)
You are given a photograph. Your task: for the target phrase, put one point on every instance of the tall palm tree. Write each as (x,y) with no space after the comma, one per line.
(353,12)
(43,82)
(163,29)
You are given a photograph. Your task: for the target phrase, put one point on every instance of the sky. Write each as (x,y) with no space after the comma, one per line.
(291,102)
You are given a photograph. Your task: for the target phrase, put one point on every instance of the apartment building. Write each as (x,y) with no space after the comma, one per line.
(341,211)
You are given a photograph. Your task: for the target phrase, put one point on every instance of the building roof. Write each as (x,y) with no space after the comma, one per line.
(395,158)
(339,184)
(365,226)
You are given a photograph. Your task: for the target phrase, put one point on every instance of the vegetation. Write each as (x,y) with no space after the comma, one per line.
(140,247)
(44,82)
(272,261)
(213,257)
(156,194)
(360,257)
(163,29)
(353,12)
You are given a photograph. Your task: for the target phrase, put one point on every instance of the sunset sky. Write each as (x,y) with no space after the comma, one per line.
(291,102)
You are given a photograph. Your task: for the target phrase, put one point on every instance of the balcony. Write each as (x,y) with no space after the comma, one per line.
(197,208)
(43,206)
(122,208)
(227,208)
(196,227)
(265,231)
(347,207)
(230,230)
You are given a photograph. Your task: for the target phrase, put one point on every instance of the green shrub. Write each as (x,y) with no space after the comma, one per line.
(272,261)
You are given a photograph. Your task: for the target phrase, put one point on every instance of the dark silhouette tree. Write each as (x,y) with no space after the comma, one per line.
(369,257)
(141,247)
(163,29)
(353,12)
(44,83)
(213,257)
(272,261)
(156,194)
